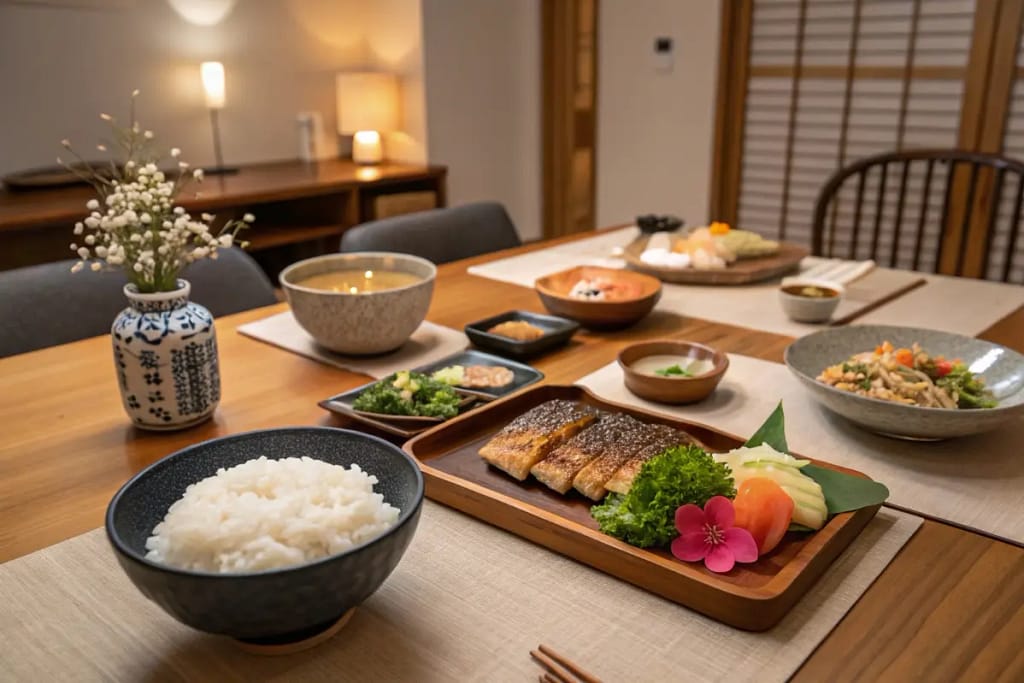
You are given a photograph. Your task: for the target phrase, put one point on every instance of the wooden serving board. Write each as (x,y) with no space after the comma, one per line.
(742,272)
(752,596)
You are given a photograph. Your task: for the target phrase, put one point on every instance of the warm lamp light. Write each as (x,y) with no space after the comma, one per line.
(212,74)
(367,106)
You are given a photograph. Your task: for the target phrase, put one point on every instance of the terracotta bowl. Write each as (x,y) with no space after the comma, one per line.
(554,293)
(674,390)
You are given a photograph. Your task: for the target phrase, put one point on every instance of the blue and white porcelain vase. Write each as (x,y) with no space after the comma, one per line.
(165,353)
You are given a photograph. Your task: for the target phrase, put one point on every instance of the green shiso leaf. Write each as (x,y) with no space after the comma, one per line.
(772,432)
(843,492)
(645,516)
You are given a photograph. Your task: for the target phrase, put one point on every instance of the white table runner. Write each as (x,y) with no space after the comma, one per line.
(467,603)
(428,343)
(975,482)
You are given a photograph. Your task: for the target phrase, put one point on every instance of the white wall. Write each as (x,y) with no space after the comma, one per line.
(655,129)
(61,66)
(482,60)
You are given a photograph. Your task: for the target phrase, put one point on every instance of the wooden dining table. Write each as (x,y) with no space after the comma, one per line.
(950,606)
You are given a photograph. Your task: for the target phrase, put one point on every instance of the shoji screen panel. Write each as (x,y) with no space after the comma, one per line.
(832,81)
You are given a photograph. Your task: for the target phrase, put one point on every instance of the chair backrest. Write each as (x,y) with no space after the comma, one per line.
(945,211)
(438,235)
(46,305)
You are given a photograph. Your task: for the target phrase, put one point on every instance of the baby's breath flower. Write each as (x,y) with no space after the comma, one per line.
(197,174)
(207,217)
(106,117)
(83,252)
(95,266)
(79,228)
(248,218)
(148,135)
(92,205)
(78,266)
(182,165)
(175,152)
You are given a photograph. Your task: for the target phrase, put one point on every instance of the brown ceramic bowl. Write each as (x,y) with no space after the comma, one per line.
(672,389)
(643,293)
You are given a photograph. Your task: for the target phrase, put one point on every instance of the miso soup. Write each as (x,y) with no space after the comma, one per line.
(354,281)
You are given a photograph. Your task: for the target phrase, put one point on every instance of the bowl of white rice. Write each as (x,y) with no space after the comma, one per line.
(270,536)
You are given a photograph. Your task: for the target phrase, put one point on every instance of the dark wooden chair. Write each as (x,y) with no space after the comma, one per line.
(946,211)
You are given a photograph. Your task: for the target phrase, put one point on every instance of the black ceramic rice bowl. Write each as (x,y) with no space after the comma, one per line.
(274,606)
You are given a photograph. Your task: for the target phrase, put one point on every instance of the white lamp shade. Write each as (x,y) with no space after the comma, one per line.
(213,84)
(367,101)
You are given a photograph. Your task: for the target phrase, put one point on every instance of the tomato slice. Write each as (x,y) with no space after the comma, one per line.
(943,368)
(765,510)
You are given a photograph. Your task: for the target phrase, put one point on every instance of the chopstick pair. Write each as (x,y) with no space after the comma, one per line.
(560,669)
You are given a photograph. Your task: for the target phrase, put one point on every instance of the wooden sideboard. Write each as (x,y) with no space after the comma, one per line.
(301,208)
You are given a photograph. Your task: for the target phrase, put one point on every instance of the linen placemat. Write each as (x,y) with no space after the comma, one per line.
(975,482)
(523,270)
(951,304)
(755,306)
(467,603)
(428,343)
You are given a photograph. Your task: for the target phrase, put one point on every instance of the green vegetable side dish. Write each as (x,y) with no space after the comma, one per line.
(673,371)
(645,516)
(409,393)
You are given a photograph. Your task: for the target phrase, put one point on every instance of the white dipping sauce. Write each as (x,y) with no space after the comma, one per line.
(648,365)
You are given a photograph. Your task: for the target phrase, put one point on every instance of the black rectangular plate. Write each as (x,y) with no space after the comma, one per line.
(524,375)
(557,331)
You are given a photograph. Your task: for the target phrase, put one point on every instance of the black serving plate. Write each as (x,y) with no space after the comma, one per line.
(406,426)
(557,331)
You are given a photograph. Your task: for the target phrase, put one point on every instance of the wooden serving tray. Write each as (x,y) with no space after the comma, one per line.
(742,272)
(752,596)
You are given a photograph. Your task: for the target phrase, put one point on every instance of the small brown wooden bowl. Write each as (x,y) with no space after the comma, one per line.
(554,289)
(674,390)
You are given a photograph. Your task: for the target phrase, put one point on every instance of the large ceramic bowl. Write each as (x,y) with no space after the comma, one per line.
(554,290)
(275,606)
(364,323)
(1002,369)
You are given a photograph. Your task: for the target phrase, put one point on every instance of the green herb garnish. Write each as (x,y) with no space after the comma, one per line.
(673,370)
(645,516)
(409,393)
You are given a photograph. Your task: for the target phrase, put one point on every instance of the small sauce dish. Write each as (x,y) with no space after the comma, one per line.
(674,372)
(810,301)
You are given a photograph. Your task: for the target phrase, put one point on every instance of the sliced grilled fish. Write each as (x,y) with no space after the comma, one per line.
(533,435)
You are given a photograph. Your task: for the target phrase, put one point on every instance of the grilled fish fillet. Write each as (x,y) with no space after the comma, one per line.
(623,478)
(612,432)
(591,479)
(534,434)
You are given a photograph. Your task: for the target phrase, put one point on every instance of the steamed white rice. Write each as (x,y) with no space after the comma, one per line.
(266,514)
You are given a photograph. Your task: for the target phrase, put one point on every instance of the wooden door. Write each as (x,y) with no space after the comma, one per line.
(569,36)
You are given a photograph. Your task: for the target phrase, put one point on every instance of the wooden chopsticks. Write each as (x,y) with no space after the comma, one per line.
(560,669)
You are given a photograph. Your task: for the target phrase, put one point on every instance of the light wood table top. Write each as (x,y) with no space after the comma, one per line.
(951,605)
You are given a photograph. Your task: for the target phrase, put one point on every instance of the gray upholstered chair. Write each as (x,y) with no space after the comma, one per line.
(47,305)
(439,235)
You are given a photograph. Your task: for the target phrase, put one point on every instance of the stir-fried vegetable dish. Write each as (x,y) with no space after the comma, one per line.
(911,376)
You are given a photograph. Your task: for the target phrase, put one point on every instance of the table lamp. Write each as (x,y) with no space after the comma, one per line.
(367,106)
(212,74)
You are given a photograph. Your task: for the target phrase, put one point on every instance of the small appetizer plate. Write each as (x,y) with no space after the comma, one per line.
(408,426)
(400,425)
(810,301)
(699,370)
(557,331)
(522,375)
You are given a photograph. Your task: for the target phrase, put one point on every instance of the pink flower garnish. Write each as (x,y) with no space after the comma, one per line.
(709,535)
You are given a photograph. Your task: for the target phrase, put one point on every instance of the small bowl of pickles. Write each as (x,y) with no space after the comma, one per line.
(810,301)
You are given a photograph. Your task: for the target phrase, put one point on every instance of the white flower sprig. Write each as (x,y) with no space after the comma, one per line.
(134,225)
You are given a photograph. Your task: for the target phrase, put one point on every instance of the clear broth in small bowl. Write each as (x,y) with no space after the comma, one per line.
(811,291)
